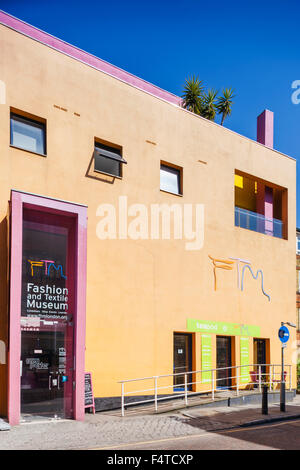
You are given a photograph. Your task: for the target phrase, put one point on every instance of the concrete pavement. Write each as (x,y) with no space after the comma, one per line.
(106,431)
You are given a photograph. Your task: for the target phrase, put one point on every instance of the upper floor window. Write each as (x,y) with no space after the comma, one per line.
(170,179)
(27,134)
(108,159)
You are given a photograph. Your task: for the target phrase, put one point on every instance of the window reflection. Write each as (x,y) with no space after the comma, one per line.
(27,134)
(170,179)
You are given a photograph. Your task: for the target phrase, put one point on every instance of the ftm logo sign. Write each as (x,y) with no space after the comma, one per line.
(48,265)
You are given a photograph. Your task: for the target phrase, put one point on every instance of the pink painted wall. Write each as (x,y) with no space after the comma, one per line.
(14,346)
(18,200)
(264,206)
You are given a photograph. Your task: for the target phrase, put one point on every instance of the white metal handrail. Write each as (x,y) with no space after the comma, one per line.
(262,378)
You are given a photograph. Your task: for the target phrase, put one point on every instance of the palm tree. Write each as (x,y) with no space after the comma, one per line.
(209,109)
(224,103)
(192,95)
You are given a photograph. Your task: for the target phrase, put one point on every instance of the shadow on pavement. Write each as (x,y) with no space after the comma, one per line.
(277,430)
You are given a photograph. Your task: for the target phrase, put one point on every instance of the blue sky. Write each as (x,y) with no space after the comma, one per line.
(251,46)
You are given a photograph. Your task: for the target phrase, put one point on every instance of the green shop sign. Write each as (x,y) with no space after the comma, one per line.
(244,359)
(206,359)
(222,328)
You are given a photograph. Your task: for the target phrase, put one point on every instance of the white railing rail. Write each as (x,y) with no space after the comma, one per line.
(255,375)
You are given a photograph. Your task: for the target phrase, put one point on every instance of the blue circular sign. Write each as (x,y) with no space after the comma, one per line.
(283,334)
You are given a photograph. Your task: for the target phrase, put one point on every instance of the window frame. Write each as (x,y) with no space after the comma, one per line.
(175,168)
(35,122)
(282,205)
(116,155)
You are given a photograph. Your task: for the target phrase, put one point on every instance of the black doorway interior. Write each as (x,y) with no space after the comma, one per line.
(260,354)
(224,362)
(183,347)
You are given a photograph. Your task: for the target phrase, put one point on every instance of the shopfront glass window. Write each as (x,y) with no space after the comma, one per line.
(47,309)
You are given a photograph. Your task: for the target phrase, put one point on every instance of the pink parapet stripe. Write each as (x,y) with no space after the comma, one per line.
(85,57)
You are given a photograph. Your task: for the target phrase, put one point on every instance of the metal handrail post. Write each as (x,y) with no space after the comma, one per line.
(155,392)
(122,400)
(212,387)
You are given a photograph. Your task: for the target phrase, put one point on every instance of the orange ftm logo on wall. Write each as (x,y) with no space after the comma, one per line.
(228,264)
(48,264)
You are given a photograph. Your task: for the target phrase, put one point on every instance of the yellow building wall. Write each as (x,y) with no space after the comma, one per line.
(141,291)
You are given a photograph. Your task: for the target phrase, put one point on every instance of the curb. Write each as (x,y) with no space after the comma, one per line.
(251,424)
(270,420)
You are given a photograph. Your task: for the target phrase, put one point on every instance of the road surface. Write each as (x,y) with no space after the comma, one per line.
(280,435)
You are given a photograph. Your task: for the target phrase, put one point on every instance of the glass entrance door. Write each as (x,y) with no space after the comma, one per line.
(47,315)
(45,372)
(182,359)
(260,354)
(224,372)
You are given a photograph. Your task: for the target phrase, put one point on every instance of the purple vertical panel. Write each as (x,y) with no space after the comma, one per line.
(265,128)
(260,207)
(15,310)
(81,309)
(269,210)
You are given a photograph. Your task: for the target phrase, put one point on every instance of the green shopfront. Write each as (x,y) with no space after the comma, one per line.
(226,346)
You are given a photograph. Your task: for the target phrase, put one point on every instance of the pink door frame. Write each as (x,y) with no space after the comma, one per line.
(54,206)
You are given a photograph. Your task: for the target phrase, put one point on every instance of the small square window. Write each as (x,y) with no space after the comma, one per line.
(108,160)
(27,134)
(170,179)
